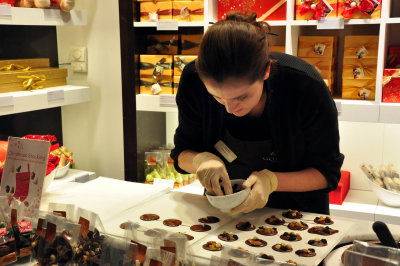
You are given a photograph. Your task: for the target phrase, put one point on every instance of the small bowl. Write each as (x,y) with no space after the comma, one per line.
(47,179)
(386,196)
(62,171)
(227,202)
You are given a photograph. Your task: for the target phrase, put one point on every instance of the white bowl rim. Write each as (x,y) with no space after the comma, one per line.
(383,189)
(67,165)
(236,181)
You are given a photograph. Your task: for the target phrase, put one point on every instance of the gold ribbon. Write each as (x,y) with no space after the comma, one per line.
(11,67)
(387,79)
(33,82)
(364,68)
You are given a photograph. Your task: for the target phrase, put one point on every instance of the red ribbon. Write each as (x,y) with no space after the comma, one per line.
(318,11)
(365,7)
(177,12)
(160,13)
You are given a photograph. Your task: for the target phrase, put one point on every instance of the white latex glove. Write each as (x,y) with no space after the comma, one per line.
(210,169)
(262,184)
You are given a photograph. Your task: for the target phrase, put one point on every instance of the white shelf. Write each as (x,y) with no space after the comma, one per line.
(44,17)
(25,101)
(393,20)
(151,103)
(357,111)
(180,24)
(389,113)
(346,22)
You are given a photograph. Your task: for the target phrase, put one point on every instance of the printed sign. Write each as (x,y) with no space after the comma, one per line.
(24,173)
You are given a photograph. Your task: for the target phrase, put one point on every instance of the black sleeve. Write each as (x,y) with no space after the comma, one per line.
(188,134)
(321,131)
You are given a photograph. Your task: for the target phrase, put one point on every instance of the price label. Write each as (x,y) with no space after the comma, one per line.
(54,95)
(167,99)
(51,13)
(167,25)
(5,10)
(330,24)
(6,101)
(164,182)
(339,107)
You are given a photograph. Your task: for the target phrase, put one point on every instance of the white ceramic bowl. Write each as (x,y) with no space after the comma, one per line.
(62,171)
(227,202)
(388,197)
(48,178)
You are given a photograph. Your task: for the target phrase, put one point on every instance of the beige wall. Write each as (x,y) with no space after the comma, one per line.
(94,130)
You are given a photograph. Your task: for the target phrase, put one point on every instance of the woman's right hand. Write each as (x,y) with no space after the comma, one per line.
(210,169)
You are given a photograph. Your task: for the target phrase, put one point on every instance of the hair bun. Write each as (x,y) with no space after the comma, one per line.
(250,17)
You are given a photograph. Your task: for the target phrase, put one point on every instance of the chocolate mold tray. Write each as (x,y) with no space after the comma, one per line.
(257,218)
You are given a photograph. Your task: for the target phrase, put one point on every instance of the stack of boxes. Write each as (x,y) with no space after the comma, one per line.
(320,52)
(348,9)
(359,67)
(266,10)
(166,10)
(168,54)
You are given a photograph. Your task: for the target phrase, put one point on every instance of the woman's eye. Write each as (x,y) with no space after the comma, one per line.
(242,98)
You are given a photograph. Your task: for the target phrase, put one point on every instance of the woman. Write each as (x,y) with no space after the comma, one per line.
(269,118)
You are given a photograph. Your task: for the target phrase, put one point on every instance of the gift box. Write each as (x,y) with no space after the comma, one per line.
(361,46)
(277,48)
(180,61)
(359,89)
(322,65)
(156,66)
(338,195)
(354,68)
(10,2)
(190,43)
(150,11)
(149,86)
(317,46)
(176,83)
(29,62)
(393,59)
(36,78)
(365,9)
(266,10)
(162,44)
(315,9)
(391,86)
(188,10)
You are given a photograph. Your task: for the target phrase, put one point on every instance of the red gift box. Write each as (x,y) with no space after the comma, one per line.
(10,2)
(266,10)
(337,196)
(393,59)
(391,86)
(356,9)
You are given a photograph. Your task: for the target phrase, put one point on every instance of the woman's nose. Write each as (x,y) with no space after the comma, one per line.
(230,106)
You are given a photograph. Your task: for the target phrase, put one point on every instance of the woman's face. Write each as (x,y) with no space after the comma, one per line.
(238,97)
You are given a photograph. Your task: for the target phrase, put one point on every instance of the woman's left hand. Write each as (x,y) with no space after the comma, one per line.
(262,184)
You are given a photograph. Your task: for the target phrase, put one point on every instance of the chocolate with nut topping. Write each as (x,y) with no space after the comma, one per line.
(245,226)
(273,220)
(322,230)
(212,246)
(228,237)
(292,214)
(283,247)
(306,252)
(267,231)
(318,242)
(297,225)
(256,242)
(291,236)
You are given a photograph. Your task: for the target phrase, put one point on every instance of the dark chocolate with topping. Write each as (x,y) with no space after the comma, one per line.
(256,242)
(322,230)
(212,246)
(172,222)
(200,227)
(209,220)
(323,220)
(267,231)
(310,252)
(245,226)
(266,257)
(291,236)
(292,214)
(273,220)
(228,237)
(283,247)
(318,242)
(149,217)
(297,225)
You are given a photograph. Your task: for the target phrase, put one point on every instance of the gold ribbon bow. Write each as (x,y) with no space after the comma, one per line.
(11,67)
(387,79)
(33,82)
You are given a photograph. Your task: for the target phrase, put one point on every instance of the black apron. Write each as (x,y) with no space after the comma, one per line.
(259,155)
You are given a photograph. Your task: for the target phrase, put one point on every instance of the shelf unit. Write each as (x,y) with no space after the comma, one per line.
(349,110)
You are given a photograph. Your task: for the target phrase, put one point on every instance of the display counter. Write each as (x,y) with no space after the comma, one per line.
(117,201)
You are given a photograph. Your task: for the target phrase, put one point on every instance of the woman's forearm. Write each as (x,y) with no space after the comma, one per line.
(301,181)
(185,161)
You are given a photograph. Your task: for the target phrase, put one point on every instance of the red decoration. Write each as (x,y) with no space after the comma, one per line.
(318,11)
(366,7)
(337,196)
(10,2)
(261,7)
(391,86)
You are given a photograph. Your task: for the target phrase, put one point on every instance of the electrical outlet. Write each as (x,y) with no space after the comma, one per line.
(79,67)
(78,54)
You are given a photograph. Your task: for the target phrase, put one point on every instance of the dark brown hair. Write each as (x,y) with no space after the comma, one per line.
(235,47)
